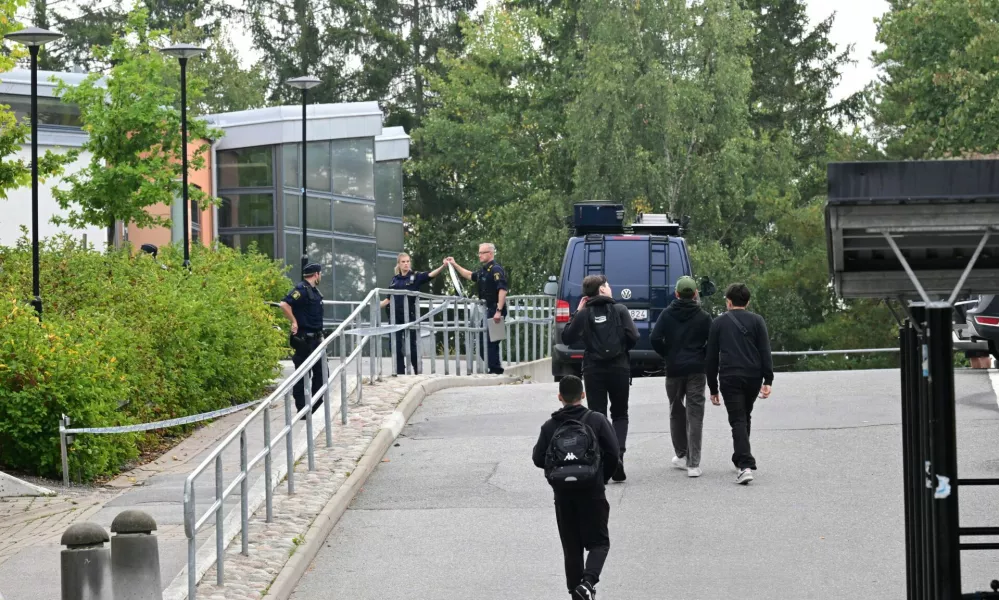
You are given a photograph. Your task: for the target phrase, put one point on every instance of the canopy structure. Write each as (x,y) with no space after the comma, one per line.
(913,229)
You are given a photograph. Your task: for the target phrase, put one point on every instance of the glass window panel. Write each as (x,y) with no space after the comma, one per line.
(246,210)
(290,160)
(195,213)
(390,236)
(354,218)
(318,214)
(388,188)
(355,269)
(319,166)
(353,167)
(51,111)
(292,210)
(243,241)
(386,270)
(293,253)
(246,167)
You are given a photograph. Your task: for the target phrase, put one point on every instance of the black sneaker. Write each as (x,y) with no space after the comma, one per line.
(585,591)
(619,473)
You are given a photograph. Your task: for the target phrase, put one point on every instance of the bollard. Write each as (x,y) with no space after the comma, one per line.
(85,563)
(135,557)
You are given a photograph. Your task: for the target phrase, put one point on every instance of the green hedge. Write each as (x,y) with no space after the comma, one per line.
(126,341)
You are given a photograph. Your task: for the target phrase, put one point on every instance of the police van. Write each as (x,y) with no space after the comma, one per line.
(641,261)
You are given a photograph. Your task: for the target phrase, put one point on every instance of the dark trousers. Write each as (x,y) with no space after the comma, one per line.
(492,348)
(740,395)
(400,352)
(302,351)
(616,385)
(686,415)
(582,525)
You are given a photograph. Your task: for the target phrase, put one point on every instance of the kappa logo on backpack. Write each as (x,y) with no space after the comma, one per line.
(605,340)
(573,457)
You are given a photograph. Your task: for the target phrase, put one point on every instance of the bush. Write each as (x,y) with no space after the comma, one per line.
(127,341)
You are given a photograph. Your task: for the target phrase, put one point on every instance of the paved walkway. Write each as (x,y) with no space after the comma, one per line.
(31,528)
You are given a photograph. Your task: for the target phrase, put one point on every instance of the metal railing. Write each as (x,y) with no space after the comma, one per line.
(455,325)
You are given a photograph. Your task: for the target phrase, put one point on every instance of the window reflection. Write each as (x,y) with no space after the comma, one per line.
(353,167)
(246,167)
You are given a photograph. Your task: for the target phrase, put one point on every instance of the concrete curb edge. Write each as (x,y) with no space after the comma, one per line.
(291,573)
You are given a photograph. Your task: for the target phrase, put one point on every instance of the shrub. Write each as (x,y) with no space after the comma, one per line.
(125,341)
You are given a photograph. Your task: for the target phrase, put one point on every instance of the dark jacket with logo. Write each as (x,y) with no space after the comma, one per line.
(734,354)
(681,337)
(578,330)
(606,438)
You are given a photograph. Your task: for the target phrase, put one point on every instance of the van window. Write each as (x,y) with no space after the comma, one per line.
(676,266)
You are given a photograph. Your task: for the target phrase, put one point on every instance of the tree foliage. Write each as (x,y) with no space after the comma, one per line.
(133,124)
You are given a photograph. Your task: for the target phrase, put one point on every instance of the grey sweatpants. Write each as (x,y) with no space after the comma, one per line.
(686,418)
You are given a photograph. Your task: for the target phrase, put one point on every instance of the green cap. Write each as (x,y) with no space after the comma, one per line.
(686,284)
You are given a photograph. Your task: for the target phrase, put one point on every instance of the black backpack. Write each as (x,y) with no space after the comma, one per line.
(605,341)
(572,460)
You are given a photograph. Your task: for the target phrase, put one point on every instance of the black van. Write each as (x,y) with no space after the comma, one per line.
(641,262)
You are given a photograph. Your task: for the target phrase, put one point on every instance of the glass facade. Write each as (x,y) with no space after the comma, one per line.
(354,211)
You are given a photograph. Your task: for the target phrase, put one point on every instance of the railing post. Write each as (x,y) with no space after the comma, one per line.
(309,431)
(532,302)
(192,542)
(289,443)
(85,564)
(327,411)
(418,332)
(471,338)
(343,379)
(360,364)
(457,336)
(433,338)
(135,557)
(244,492)
(393,338)
(268,466)
(374,340)
(219,523)
(516,330)
(64,449)
(447,333)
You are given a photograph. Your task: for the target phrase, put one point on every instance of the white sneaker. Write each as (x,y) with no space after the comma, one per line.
(694,472)
(745,476)
(680,463)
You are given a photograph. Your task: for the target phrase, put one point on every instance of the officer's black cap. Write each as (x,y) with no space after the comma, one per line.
(149,249)
(312,268)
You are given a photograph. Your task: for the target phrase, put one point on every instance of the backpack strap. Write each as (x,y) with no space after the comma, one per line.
(738,324)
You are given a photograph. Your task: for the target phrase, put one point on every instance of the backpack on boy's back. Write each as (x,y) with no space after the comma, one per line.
(573,459)
(605,338)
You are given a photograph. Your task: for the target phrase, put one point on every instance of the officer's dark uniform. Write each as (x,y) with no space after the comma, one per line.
(410,281)
(491,279)
(307,305)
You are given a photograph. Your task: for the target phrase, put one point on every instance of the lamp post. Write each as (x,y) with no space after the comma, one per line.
(304,83)
(182,52)
(34,38)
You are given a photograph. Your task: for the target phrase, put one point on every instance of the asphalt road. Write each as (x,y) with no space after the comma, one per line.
(460,512)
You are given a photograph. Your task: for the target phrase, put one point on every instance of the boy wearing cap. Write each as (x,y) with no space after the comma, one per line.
(304,308)
(681,337)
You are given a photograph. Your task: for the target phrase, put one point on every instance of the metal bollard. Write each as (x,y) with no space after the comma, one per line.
(135,557)
(86,563)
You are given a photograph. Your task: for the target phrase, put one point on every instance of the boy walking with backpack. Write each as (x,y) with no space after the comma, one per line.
(607,333)
(578,451)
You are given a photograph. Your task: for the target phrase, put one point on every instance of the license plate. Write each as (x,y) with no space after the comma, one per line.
(639,315)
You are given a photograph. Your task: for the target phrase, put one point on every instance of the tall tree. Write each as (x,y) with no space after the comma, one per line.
(134,133)
(935,97)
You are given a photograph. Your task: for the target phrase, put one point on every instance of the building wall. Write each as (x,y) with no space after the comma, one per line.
(15,210)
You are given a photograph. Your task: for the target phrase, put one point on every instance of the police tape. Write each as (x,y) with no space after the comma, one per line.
(168,423)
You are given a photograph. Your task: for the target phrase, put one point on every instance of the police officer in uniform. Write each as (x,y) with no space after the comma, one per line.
(493,289)
(304,308)
(407,279)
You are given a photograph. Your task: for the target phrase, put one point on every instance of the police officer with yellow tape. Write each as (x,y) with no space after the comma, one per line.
(493,290)
(304,308)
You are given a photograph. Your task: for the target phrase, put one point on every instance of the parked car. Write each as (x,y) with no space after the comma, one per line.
(641,261)
(976,324)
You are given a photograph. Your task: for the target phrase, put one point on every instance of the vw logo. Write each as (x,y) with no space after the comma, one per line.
(626,294)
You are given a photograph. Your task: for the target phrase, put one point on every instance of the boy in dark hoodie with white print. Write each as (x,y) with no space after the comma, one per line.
(581,514)
(681,337)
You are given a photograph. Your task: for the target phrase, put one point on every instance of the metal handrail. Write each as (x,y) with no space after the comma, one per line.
(444,315)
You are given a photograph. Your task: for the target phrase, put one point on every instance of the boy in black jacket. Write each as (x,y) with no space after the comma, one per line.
(738,361)
(581,514)
(681,337)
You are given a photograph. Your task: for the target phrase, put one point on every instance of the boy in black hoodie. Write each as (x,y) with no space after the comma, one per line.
(581,514)
(681,337)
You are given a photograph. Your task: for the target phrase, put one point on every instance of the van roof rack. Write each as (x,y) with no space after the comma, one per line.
(656,224)
(604,217)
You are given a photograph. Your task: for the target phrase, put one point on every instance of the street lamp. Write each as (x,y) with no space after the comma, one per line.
(304,83)
(34,38)
(182,52)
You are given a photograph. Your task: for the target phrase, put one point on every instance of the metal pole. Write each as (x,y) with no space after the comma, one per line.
(327,411)
(309,431)
(516,330)
(192,558)
(532,354)
(64,451)
(939,329)
(289,443)
(359,389)
(921,428)
(447,342)
(433,339)
(305,229)
(418,332)
(393,337)
(471,338)
(219,523)
(183,155)
(36,301)
(905,338)
(268,465)
(244,492)
(374,339)
(343,379)
(456,306)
